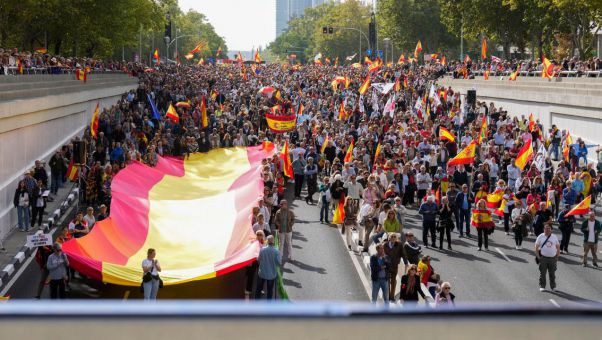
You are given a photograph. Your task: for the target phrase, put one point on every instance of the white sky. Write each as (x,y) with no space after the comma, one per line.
(242,23)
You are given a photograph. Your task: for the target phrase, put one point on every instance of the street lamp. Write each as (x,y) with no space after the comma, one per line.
(361,33)
(386,41)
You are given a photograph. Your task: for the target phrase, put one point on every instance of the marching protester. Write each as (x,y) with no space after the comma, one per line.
(591,229)
(547,251)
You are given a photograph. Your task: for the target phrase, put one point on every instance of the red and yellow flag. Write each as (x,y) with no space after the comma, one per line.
(466,156)
(157,57)
(300,109)
(443,61)
(547,70)
(204,118)
(171,208)
(19,66)
(482,219)
(81,75)
(349,155)
(500,210)
(467,59)
(72,171)
(365,85)
(377,152)
(484,49)
(587,183)
(567,146)
(402,59)
(339,213)
(494,199)
(41,50)
(281,124)
(94,122)
(445,134)
(219,52)
(483,131)
(486,75)
(367,61)
(531,123)
(239,57)
(397,87)
(342,112)
(418,49)
(196,49)
(514,74)
(324,144)
(582,208)
(172,114)
(286,158)
(524,156)
(257,57)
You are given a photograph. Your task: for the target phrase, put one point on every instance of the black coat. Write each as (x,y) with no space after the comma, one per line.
(411,295)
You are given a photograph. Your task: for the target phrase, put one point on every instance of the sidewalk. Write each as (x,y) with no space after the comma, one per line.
(16,253)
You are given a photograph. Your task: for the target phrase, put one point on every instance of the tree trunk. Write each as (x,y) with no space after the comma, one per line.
(57,46)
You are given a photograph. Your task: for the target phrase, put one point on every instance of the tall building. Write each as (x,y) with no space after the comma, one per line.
(288,9)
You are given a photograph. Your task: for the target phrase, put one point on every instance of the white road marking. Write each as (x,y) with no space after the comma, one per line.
(555,303)
(503,255)
(358,269)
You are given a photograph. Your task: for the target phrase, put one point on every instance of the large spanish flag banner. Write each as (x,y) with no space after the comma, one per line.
(195,212)
(482,219)
(524,155)
(495,198)
(281,124)
(582,208)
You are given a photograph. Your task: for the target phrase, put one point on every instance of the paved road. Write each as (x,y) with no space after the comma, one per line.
(322,268)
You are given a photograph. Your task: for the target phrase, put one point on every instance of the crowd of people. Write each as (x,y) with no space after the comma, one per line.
(379,154)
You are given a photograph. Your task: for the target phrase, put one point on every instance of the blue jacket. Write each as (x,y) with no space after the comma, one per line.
(569,196)
(460,200)
(374,268)
(269,261)
(428,211)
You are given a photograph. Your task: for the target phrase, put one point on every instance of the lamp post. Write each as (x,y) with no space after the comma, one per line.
(386,41)
(361,33)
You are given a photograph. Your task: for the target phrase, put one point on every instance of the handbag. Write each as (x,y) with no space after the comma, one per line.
(539,252)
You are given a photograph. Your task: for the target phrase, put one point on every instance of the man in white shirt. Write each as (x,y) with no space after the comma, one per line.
(547,250)
(423,180)
(513,175)
(354,189)
(591,229)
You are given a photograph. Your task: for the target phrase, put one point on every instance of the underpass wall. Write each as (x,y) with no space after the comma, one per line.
(34,128)
(573,104)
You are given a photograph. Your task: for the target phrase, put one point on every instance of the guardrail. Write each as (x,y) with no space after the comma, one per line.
(562,74)
(14,71)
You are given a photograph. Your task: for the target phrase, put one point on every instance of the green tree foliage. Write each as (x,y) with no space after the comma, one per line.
(407,21)
(98,28)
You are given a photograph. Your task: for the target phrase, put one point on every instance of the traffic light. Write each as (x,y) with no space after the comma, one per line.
(327,30)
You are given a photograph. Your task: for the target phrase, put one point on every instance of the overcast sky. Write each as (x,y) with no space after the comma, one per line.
(243,23)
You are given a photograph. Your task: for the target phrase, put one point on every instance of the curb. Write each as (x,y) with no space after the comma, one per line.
(9,271)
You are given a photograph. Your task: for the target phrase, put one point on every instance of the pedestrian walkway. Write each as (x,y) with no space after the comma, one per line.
(16,239)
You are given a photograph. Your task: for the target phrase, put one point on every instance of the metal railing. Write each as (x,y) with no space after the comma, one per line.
(561,74)
(14,71)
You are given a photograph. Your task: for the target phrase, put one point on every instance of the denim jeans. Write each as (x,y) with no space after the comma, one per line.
(270,288)
(554,151)
(464,219)
(56,183)
(380,284)
(151,288)
(23,217)
(324,211)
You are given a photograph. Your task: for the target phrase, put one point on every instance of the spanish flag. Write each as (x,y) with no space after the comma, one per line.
(484,49)
(467,59)
(514,74)
(196,49)
(397,87)
(172,114)
(375,66)
(466,156)
(443,61)
(219,52)
(172,207)
(486,75)
(189,56)
(94,122)
(278,96)
(349,155)
(524,156)
(281,124)
(367,61)
(402,59)
(445,134)
(405,82)
(418,49)
(580,209)
(444,185)
(204,118)
(531,123)
(365,85)
(72,171)
(342,112)
(377,152)
(483,132)
(41,50)
(339,213)
(481,219)
(324,144)
(494,199)
(587,183)
(239,57)
(81,75)
(19,66)
(434,55)
(201,61)
(286,159)
(567,146)
(500,211)
(257,57)
(300,109)
(157,57)
(548,69)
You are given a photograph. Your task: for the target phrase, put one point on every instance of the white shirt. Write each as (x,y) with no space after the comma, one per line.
(90,220)
(590,231)
(148,263)
(354,190)
(548,249)
(423,180)
(266,213)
